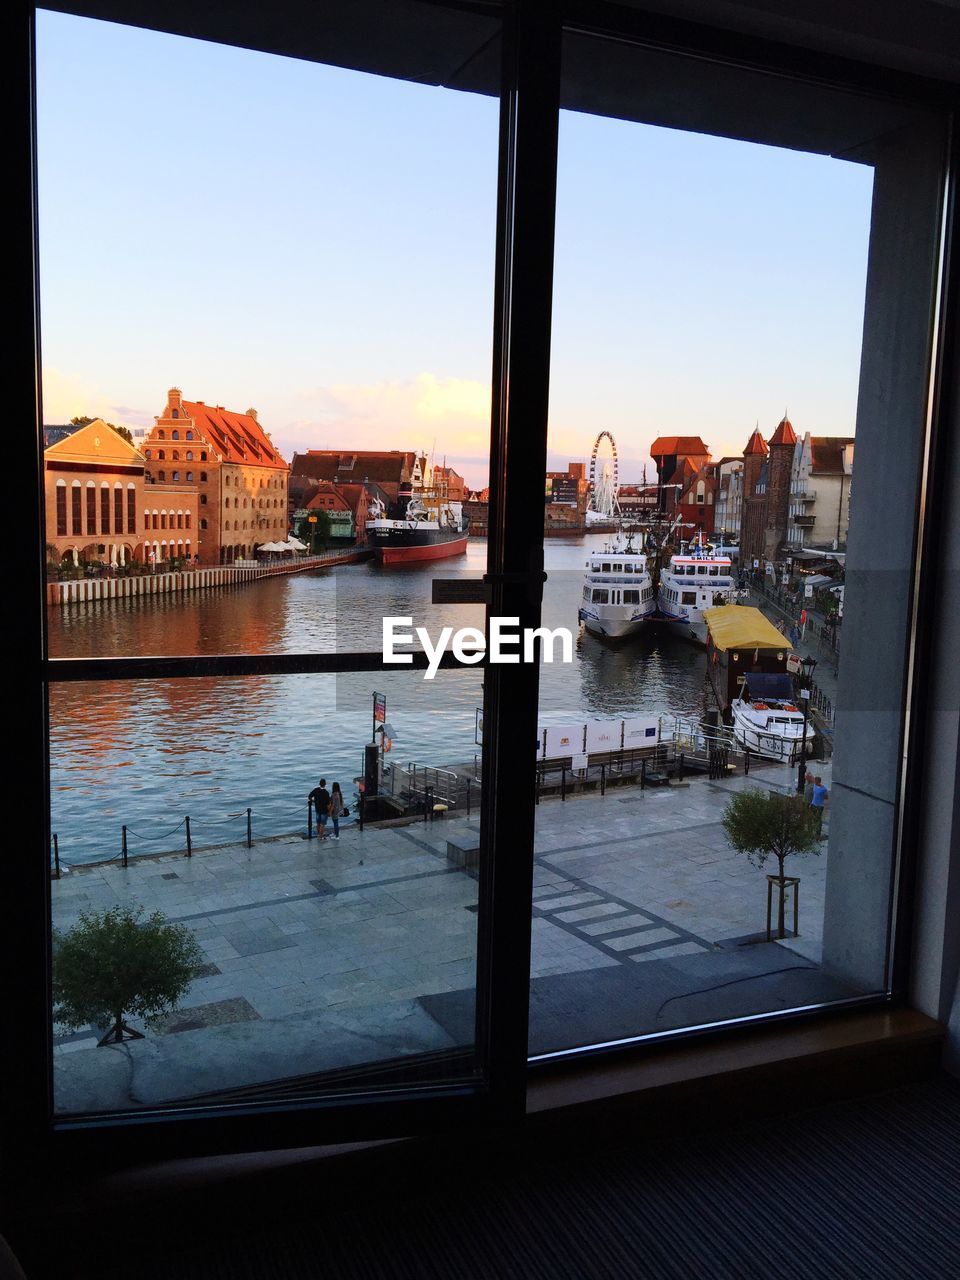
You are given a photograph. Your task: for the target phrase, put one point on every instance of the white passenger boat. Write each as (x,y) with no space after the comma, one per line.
(696,580)
(767,721)
(618,597)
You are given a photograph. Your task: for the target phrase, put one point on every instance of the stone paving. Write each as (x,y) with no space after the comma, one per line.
(335,955)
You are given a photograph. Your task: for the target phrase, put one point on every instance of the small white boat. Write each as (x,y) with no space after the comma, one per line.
(767,721)
(697,579)
(618,596)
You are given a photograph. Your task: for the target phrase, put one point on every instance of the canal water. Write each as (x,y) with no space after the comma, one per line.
(147,753)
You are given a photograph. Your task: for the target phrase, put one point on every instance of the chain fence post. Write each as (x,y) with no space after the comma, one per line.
(309,817)
(189,840)
(563,782)
(360,808)
(56,856)
(249,830)
(123,846)
(603,779)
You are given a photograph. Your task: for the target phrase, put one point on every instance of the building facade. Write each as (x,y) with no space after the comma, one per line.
(229,461)
(101,508)
(821,480)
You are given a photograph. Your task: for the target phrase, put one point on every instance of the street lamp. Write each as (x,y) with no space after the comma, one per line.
(807,665)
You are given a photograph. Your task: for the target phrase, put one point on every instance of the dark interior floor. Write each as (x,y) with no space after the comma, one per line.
(862,1188)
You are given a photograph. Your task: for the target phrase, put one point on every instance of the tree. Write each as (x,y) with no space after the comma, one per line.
(114,963)
(317,535)
(764,824)
(121,431)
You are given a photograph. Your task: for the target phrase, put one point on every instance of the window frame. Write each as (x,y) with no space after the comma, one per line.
(530,103)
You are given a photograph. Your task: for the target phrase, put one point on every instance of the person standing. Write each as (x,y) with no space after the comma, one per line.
(819,798)
(336,809)
(808,789)
(321,807)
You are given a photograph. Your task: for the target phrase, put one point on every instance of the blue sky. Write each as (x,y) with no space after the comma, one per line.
(319,244)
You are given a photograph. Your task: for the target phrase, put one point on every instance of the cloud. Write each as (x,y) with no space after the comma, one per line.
(455,412)
(65,397)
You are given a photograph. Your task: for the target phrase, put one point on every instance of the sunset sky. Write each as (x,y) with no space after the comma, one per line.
(319,244)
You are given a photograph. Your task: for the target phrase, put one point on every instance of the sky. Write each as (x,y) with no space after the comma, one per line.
(319,244)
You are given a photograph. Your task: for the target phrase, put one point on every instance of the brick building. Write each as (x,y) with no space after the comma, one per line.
(227,458)
(570,488)
(100,505)
(390,470)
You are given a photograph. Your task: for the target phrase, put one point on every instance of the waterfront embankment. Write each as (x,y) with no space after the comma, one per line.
(81,590)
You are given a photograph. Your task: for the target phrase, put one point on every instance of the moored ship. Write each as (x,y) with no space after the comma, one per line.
(421,525)
(698,579)
(618,596)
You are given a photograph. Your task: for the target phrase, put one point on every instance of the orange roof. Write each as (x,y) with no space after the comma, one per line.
(784,433)
(236,436)
(756,444)
(693,446)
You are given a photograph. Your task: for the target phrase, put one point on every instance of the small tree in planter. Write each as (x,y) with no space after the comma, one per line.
(765,824)
(114,964)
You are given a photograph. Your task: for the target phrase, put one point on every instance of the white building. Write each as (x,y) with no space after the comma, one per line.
(820,483)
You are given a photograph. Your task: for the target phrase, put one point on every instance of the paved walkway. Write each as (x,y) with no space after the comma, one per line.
(330,956)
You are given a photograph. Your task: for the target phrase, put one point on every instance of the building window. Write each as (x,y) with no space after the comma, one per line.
(75,516)
(162,455)
(186,519)
(176,476)
(61,509)
(162,476)
(189,435)
(174,435)
(203,524)
(161,435)
(104,509)
(203,499)
(203,477)
(203,456)
(189,477)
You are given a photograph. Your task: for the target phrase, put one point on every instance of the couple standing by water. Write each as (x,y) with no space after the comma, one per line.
(328,806)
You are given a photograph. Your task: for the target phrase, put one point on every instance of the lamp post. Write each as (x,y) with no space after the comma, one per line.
(807,665)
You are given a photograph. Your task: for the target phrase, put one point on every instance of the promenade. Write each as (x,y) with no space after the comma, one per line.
(335,955)
(82,590)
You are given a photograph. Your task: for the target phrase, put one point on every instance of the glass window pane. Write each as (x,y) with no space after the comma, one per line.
(315,956)
(300,286)
(726,452)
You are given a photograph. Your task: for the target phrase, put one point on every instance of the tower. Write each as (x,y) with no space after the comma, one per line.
(782,444)
(752,519)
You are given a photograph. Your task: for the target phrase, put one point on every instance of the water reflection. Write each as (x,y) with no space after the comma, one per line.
(147,752)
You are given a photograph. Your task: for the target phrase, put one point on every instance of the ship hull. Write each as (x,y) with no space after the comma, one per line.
(415,547)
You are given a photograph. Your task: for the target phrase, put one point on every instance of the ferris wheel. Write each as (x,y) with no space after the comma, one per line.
(604,476)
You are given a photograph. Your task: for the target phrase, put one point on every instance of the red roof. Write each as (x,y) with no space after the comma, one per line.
(691,446)
(236,436)
(756,444)
(784,433)
(827,454)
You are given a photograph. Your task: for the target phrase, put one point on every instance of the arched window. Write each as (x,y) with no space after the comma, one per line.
(148,453)
(162,476)
(118,508)
(203,499)
(189,477)
(104,507)
(176,455)
(176,413)
(61,508)
(162,455)
(203,457)
(203,524)
(189,455)
(189,435)
(179,519)
(226,478)
(91,508)
(176,475)
(163,519)
(161,435)
(156,520)
(76,527)
(186,519)
(174,435)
